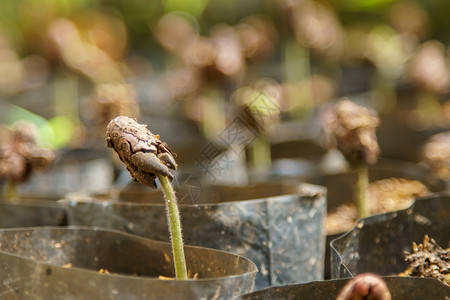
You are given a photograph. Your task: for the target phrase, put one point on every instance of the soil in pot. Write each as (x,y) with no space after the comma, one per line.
(34,264)
(341,210)
(394,185)
(428,259)
(401,288)
(277,226)
(385,195)
(378,243)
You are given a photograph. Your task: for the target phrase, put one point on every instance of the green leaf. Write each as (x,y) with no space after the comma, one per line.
(53,133)
(193,7)
(366,5)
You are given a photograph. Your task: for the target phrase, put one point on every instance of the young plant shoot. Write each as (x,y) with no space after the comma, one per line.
(20,157)
(146,157)
(352,129)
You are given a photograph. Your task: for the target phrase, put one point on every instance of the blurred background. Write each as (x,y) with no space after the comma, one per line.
(191,68)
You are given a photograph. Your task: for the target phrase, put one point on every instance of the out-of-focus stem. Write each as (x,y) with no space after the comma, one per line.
(261,154)
(383,93)
(176,236)
(213,118)
(297,65)
(11,191)
(362,189)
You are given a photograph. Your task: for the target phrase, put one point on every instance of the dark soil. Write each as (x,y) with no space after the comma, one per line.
(428,260)
(385,195)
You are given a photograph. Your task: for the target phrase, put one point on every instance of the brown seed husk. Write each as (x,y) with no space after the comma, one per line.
(20,154)
(352,129)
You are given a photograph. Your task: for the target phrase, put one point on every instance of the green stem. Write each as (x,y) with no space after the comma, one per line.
(174,227)
(261,154)
(11,191)
(382,93)
(363,189)
(297,65)
(213,118)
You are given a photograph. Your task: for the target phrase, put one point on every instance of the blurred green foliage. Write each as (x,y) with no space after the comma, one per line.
(310,46)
